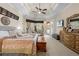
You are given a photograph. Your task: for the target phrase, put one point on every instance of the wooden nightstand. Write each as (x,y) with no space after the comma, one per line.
(41,44)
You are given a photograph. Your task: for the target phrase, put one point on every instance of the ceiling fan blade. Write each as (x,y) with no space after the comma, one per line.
(43,12)
(44,9)
(40,9)
(37,8)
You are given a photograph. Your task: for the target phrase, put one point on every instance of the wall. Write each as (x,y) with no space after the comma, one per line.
(67,12)
(14,23)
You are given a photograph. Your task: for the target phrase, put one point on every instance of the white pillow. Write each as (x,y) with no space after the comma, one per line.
(35,38)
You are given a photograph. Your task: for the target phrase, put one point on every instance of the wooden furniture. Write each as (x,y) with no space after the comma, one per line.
(14,45)
(71,40)
(41,44)
(0,44)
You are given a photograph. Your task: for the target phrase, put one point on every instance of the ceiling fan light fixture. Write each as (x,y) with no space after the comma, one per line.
(39,12)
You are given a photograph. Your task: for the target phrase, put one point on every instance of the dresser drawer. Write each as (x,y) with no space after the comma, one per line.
(77,45)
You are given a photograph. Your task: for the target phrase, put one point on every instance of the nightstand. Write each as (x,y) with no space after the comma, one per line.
(41,44)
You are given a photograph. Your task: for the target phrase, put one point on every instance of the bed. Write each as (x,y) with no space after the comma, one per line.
(17,46)
(25,44)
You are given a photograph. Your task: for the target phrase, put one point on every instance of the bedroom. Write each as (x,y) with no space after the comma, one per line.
(28,28)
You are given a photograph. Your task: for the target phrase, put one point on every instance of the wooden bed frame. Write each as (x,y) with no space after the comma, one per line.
(19,46)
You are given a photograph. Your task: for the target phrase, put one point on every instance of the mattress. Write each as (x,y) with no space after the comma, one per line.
(17,46)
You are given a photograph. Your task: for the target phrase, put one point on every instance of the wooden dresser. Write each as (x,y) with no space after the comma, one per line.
(71,40)
(41,44)
(70,33)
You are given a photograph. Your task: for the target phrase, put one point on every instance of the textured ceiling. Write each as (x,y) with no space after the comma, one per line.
(26,9)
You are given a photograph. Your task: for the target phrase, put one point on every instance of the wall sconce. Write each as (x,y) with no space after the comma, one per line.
(18,27)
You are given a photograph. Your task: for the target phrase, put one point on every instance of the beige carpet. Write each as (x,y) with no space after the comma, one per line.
(55,48)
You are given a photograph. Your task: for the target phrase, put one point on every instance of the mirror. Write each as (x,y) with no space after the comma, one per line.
(73,22)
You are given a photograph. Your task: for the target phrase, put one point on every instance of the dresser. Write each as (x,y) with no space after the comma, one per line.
(69,36)
(71,40)
(41,44)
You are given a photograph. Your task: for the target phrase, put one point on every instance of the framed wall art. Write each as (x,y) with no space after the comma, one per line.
(60,23)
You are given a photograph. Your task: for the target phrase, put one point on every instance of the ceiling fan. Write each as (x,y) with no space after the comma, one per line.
(39,10)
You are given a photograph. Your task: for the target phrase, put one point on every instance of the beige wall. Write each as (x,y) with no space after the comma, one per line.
(68,11)
(14,23)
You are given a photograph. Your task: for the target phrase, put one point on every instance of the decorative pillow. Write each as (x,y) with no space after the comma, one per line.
(69,30)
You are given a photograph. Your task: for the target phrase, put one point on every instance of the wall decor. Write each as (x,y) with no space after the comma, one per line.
(4,12)
(60,23)
(5,20)
(33,21)
(8,13)
(73,21)
(0,10)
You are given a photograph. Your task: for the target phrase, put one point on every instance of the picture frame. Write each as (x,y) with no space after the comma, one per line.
(60,23)
(0,10)
(5,20)
(12,15)
(8,14)
(4,12)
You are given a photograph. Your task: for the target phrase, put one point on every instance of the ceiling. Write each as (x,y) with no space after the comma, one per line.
(26,9)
